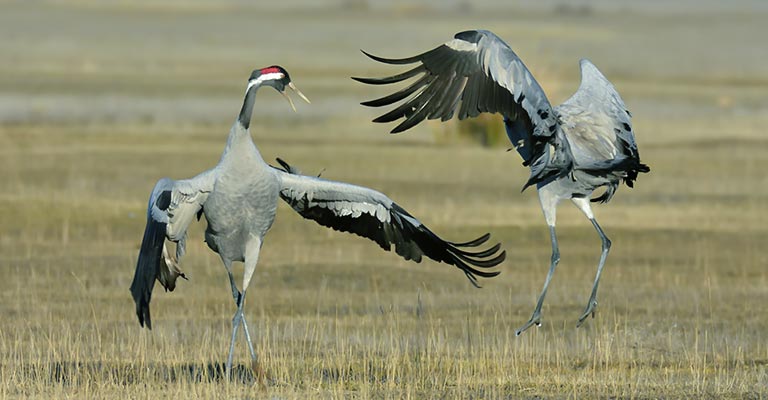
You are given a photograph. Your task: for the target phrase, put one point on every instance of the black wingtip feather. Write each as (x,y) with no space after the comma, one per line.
(392,79)
(472,243)
(404,234)
(397,96)
(485,253)
(469,262)
(148,263)
(142,311)
(372,81)
(434,247)
(393,61)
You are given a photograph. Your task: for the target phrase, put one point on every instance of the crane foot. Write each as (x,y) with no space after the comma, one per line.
(590,310)
(535,320)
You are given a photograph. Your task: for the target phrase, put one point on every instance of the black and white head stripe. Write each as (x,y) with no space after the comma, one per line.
(266,74)
(370,214)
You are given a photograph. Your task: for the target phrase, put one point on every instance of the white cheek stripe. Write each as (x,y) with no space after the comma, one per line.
(262,78)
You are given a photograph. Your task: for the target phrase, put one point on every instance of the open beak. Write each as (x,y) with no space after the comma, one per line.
(293,87)
(289,100)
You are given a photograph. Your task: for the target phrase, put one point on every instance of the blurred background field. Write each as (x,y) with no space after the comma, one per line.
(98,99)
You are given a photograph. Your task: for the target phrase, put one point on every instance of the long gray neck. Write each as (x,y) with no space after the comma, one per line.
(239,134)
(245,113)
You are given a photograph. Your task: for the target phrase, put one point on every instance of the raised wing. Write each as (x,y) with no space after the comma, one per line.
(477,72)
(599,127)
(171,208)
(370,214)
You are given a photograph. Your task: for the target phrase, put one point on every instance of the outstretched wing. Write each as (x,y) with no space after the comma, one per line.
(599,127)
(171,208)
(477,72)
(370,214)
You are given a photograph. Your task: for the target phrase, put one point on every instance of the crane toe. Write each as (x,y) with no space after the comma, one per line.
(535,320)
(590,310)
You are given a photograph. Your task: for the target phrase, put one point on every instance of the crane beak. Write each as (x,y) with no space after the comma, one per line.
(293,87)
(289,101)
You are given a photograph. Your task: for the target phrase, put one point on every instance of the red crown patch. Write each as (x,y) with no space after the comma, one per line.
(270,70)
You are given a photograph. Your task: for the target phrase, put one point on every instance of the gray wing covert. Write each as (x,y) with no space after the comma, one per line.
(597,109)
(372,215)
(598,95)
(171,208)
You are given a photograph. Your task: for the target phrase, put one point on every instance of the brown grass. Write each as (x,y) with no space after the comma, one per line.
(682,303)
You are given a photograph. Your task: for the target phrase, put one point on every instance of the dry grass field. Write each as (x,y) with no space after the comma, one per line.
(100,99)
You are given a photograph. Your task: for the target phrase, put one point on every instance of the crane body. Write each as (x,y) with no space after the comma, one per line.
(573,150)
(238,198)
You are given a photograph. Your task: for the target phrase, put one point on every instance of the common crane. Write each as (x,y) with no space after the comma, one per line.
(573,149)
(238,198)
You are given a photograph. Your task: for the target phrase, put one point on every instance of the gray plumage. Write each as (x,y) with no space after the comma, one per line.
(238,199)
(585,144)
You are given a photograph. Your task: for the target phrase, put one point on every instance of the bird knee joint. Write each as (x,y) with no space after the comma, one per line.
(607,243)
(555,258)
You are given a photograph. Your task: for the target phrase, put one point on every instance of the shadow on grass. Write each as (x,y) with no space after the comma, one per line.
(74,373)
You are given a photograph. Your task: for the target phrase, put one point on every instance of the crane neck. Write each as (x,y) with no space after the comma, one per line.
(239,136)
(244,118)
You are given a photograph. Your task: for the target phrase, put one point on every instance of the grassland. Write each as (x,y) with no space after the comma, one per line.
(98,100)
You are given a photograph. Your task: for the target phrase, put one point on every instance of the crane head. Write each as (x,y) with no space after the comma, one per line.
(277,77)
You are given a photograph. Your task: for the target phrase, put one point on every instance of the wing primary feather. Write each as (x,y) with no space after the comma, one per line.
(448,100)
(151,251)
(401,111)
(399,61)
(422,107)
(353,209)
(472,243)
(147,268)
(399,95)
(394,78)
(469,104)
(442,90)
(485,253)
(482,263)
(395,114)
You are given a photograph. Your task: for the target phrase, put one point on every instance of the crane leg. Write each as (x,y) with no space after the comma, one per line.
(252,250)
(583,204)
(251,258)
(536,317)
(606,247)
(236,320)
(254,359)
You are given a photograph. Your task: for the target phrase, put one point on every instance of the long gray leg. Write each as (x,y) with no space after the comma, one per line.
(235,291)
(247,333)
(548,197)
(583,204)
(536,317)
(606,247)
(252,250)
(235,321)
(251,258)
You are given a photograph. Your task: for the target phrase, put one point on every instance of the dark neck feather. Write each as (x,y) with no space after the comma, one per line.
(247,110)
